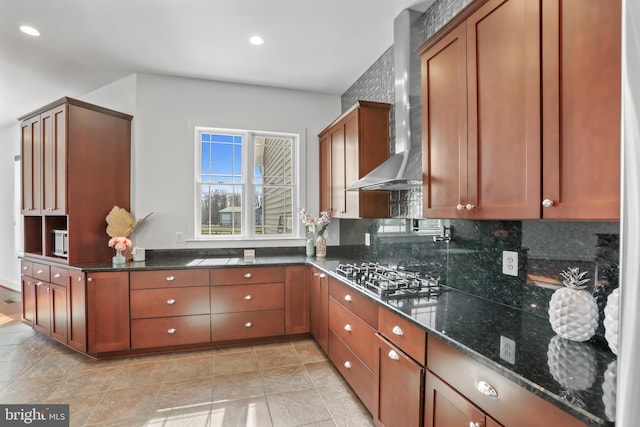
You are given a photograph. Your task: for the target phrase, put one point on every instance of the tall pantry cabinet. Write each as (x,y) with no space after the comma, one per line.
(75,168)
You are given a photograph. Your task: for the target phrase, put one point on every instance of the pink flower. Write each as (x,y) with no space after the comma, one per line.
(119,243)
(314,224)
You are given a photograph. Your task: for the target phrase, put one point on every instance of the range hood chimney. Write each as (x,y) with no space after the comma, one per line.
(403,170)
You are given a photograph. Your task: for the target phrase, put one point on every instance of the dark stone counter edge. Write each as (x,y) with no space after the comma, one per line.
(328,266)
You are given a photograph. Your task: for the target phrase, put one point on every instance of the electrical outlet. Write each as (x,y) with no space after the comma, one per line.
(508,350)
(249,254)
(367,239)
(179,237)
(510,263)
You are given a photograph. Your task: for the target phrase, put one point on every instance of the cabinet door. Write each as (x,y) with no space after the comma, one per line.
(444,407)
(581,122)
(338,196)
(351,165)
(297,300)
(31,149)
(54,142)
(325,172)
(108,311)
(58,301)
(444,129)
(42,310)
(77,310)
(503,76)
(400,383)
(28,300)
(319,309)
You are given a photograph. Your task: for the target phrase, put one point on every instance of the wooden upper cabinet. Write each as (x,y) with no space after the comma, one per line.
(581,104)
(31,149)
(352,146)
(53,125)
(481,115)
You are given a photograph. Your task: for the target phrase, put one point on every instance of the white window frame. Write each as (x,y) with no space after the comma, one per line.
(247,184)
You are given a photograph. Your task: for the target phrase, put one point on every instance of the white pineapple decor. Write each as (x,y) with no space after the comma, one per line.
(572,364)
(573,311)
(611,320)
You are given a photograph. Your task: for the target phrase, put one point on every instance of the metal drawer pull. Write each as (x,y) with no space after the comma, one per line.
(347,298)
(323,275)
(39,283)
(170,278)
(393,355)
(472,424)
(348,327)
(547,203)
(248,297)
(248,325)
(171,331)
(248,275)
(486,389)
(57,275)
(25,268)
(397,330)
(89,279)
(171,301)
(39,272)
(347,364)
(80,279)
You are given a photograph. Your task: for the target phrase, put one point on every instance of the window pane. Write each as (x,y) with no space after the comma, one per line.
(274,213)
(220,209)
(275,156)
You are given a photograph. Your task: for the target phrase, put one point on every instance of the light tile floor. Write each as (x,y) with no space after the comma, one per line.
(280,384)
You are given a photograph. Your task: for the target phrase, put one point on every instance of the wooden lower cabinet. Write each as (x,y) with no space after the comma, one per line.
(319,310)
(28,300)
(108,324)
(77,310)
(247,324)
(170,331)
(297,300)
(445,407)
(399,384)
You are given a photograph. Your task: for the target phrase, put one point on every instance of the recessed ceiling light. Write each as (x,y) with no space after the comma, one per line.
(29,30)
(256,40)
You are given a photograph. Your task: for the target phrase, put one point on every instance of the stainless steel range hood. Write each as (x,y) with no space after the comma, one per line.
(403,170)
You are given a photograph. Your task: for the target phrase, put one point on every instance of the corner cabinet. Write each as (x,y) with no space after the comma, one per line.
(75,168)
(521,112)
(352,146)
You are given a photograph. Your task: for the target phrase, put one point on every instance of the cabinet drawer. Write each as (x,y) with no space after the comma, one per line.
(250,324)
(41,272)
(359,377)
(513,406)
(228,299)
(357,303)
(26,268)
(168,278)
(168,331)
(408,337)
(59,276)
(355,333)
(246,275)
(169,302)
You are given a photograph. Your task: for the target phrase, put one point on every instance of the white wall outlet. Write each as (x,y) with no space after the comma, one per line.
(179,237)
(249,253)
(367,239)
(510,263)
(508,350)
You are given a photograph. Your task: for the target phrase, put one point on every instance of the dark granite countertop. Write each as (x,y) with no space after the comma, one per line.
(577,377)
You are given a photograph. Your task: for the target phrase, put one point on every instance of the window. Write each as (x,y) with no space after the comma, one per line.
(246,183)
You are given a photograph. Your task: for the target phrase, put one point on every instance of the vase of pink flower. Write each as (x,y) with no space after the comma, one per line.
(119,244)
(315,225)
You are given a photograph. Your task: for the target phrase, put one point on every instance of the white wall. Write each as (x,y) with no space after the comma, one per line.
(9,263)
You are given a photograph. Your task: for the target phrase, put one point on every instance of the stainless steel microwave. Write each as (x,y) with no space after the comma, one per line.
(61,243)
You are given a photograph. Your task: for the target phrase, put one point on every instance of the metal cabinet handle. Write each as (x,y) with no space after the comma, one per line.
(460,207)
(397,330)
(248,298)
(347,298)
(348,328)
(171,331)
(470,207)
(79,278)
(171,301)
(472,424)
(486,389)
(39,272)
(393,355)
(323,275)
(89,279)
(248,325)
(347,364)
(170,278)
(25,268)
(57,275)
(248,275)
(39,283)
(547,203)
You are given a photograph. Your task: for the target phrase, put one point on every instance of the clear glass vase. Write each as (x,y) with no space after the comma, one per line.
(310,247)
(118,258)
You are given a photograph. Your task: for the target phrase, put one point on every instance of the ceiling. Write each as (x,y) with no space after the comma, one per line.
(316,45)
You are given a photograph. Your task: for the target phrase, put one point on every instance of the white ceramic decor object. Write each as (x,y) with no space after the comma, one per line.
(571,363)
(611,320)
(609,390)
(573,312)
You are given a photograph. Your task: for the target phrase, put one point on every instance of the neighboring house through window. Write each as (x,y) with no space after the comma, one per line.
(246,183)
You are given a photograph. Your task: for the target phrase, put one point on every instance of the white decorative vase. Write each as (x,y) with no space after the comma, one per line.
(321,247)
(573,311)
(118,258)
(309,247)
(612,320)
(572,364)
